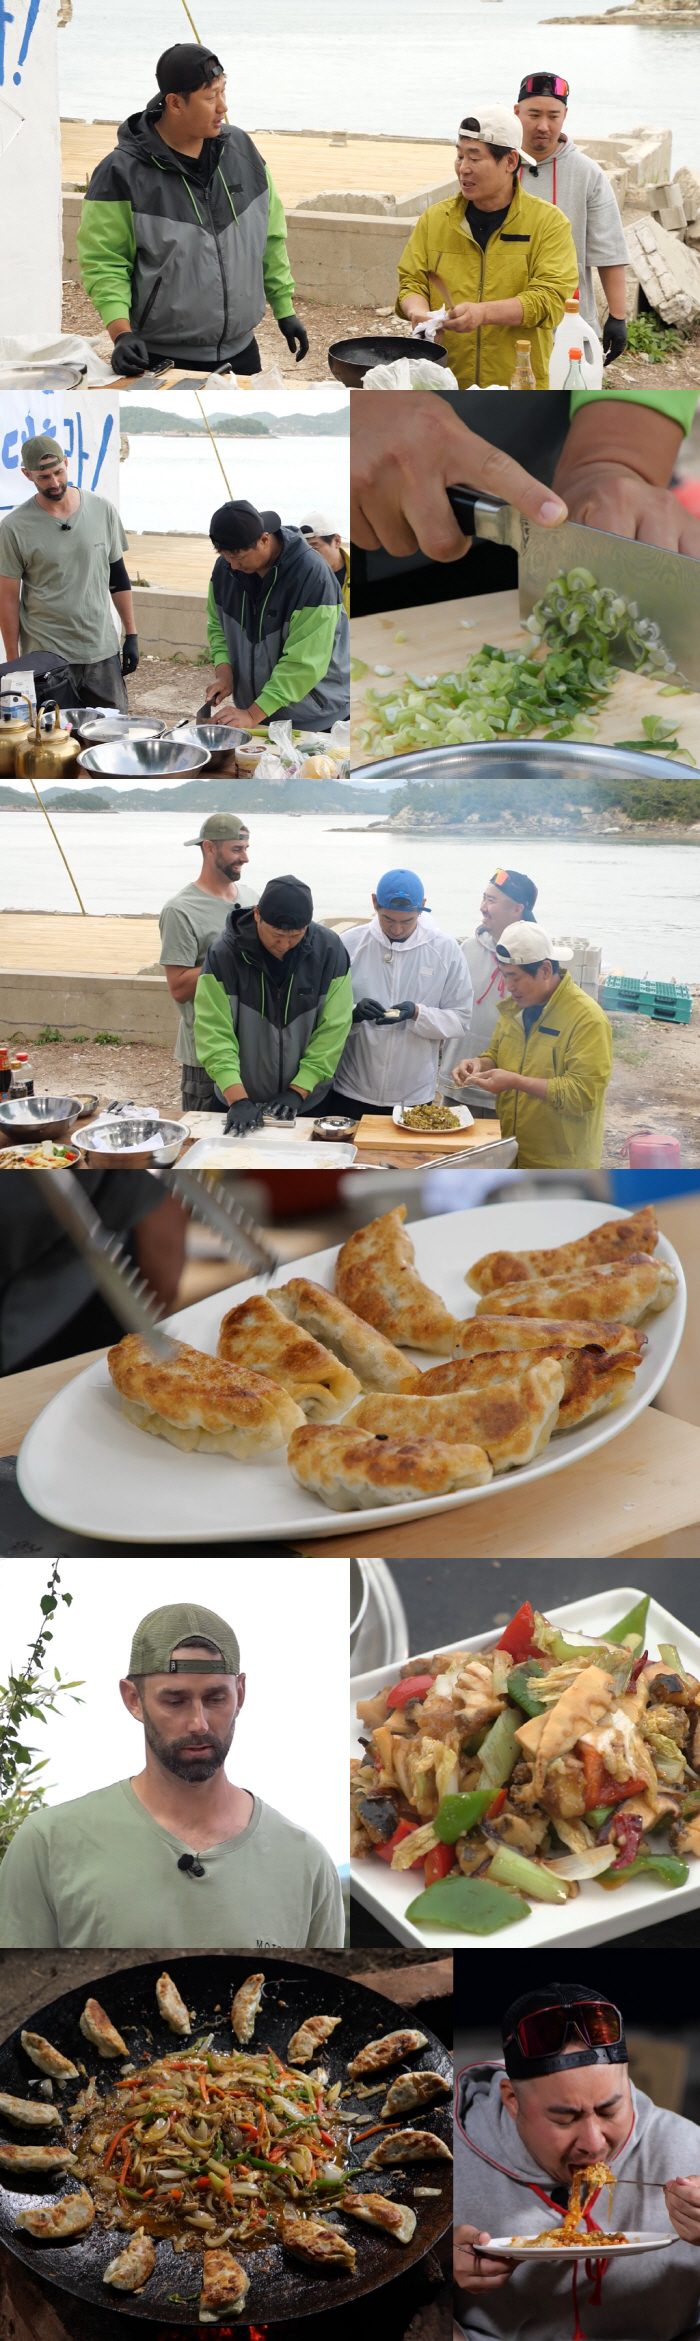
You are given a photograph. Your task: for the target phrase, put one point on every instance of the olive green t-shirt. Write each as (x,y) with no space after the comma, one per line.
(101,1874)
(64,571)
(188,923)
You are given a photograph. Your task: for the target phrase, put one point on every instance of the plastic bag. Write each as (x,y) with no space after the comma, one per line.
(280,760)
(427,327)
(411,374)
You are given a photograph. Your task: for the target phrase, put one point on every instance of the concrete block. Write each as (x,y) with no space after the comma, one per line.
(349,199)
(644,152)
(138,1007)
(668,208)
(410,206)
(689,185)
(72,207)
(692,234)
(668,271)
(168,622)
(340,257)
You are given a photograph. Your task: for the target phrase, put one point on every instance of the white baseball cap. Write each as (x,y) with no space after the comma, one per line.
(524,944)
(498,126)
(318,524)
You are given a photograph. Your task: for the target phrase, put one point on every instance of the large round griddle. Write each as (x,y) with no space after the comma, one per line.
(280,2288)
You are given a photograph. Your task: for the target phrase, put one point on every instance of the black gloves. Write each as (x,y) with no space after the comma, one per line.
(614,338)
(401,1013)
(130,654)
(294,332)
(285,1107)
(368,1012)
(130,355)
(243,1116)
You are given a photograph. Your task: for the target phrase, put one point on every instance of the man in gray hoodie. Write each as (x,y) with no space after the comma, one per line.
(561,174)
(563,2099)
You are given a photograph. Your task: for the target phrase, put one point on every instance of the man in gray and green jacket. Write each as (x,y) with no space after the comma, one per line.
(278,632)
(273,1008)
(183,236)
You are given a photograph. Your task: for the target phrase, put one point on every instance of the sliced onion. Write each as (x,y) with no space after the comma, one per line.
(586,1864)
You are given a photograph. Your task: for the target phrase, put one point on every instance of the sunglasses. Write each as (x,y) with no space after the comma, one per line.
(550,85)
(598,2024)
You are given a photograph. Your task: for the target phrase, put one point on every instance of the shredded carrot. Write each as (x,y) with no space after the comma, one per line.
(116,2141)
(373,2132)
(176,2194)
(124,2168)
(228,2195)
(203,2091)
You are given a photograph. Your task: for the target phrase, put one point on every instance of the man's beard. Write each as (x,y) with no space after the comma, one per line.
(187,1767)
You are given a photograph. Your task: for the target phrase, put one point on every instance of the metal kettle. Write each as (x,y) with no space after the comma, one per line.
(47,754)
(14,729)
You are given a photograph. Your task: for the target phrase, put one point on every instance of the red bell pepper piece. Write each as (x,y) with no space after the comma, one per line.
(498,1804)
(414,1686)
(405,1829)
(517,1636)
(438,1863)
(599,1786)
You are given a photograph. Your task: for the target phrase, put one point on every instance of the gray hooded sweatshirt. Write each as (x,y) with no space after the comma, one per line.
(500,2190)
(579,188)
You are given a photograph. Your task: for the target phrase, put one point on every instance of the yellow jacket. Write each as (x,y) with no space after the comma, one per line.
(531,257)
(570,1047)
(345,587)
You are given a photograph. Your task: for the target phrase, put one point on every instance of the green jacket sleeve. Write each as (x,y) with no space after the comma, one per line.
(28,1918)
(679,405)
(555,271)
(215,1039)
(328,1040)
(107,252)
(305,659)
(588,1068)
(277,274)
(215,634)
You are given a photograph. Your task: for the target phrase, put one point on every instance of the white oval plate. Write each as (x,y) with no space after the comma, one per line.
(500,2248)
(464,1118)
(85,1467)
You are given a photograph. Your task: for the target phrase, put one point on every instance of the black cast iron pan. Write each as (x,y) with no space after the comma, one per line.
(279,2287)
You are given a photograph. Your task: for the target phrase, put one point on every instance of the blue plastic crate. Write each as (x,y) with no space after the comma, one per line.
(632,995)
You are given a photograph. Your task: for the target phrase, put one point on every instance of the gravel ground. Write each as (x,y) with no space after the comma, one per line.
(323,325)
(656,1075)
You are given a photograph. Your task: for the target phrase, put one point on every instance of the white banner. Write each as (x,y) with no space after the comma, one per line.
(84,422)
(30,169)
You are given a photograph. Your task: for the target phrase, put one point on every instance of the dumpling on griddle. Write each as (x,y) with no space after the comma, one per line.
(102,2034)
(410,2090)
(48,2059)
(172,2007)
(29,2113)
(315,2241)
(390,2050)
(408,2146)
(244,2007)
(224,2287)
(132,2267)
(309,2037)
(59,2222)
(19,2158)
(396,2219)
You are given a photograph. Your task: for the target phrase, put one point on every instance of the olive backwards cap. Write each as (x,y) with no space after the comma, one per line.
(557,1995)
(164,1630)
(41,449)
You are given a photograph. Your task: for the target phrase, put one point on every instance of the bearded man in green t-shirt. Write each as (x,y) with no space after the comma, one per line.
(64,585)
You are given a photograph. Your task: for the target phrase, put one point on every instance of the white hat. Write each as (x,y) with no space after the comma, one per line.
(524,944)
(498,126)
(318,524)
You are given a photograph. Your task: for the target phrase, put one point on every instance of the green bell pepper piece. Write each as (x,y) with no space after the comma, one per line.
(458,1814)
(469,1906)
(632,1625)
(665,1866)
(519,1686)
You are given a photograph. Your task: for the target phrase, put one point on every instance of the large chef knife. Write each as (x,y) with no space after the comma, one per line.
(664,585)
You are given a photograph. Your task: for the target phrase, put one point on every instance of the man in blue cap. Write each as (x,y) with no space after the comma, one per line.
(412,991)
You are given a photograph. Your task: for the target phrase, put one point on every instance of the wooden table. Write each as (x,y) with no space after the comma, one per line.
(440,637)
(641,1488)
(397,1150)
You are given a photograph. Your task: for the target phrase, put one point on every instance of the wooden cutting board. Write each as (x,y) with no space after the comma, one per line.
(378,1130)
(436,641)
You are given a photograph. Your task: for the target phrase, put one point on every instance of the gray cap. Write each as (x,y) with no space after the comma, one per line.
(164,1630)
(217,827)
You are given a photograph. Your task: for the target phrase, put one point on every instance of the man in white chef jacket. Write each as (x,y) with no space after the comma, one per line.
(412,991)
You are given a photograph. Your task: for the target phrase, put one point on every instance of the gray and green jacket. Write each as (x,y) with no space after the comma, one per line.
(188,252)
(285,636)
(265,1033)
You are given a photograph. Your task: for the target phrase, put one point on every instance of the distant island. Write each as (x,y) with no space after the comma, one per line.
(199,795)
(157,420)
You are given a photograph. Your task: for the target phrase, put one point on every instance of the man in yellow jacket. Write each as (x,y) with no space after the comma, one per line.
(550,1058)
(502,263)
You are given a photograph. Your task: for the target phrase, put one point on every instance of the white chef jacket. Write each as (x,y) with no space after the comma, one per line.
(397,1065)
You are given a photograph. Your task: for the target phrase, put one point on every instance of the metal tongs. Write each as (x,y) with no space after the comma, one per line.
(120,1282)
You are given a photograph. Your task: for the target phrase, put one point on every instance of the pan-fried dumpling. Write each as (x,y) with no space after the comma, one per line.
(375,1361)
(224,2287)
(497,1337)
(410,2090)
(48,2059)
(613,1241)
(512,1420)
(132,2267)
(257,1333)
(244,2007)
(28,2113)
(58,2222)
(598,1370)
(352,1471)
(96,2027)
(196,1401)
(20,2158)
(315,2241)
(311,2033)
(396,2219)
(172,2007)
(637,1288)
(407,2146)
(389,2050)
(376,1275)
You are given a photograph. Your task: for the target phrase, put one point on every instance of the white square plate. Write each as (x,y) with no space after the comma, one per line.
(84,1466)
(594,1916)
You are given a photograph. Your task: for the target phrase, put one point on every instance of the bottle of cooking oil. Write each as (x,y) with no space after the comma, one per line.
(574,379)
(523,377)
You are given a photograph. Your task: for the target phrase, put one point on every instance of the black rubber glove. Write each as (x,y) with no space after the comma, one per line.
(614,338)
(368,1012)
(401,1013)
(242,1116)
(286,1106)
(294,332)
(130,654)
(130,355)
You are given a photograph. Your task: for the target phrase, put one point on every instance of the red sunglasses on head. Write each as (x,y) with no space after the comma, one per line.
(598,2024)
(551,85)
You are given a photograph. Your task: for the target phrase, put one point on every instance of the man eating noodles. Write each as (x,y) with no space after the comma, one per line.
(178,1854)
(562,2103)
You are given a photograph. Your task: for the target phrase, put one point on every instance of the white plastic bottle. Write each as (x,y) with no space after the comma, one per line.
(575,330)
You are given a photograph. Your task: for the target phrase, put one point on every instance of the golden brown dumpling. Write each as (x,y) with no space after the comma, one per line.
(613,1241)
(257,1333)
(375,1361)
(376,1275)
(353,1471)
(511,1419)
(637,1288)
(196,1401)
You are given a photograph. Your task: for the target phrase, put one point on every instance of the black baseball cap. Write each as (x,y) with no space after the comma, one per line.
(286,903)
(561,2025)
(187,66)
(238,525)
(519,888)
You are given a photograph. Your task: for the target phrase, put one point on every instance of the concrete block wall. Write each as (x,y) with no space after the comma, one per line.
(346,257)
(138,1007)
(72,207)
(167,622)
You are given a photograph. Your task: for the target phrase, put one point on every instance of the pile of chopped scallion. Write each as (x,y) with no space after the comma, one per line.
(514,692)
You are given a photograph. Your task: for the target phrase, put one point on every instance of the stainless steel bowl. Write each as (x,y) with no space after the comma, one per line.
(27,1119)
(520,761)
(378,1623)
(120,727)
(79,716)
(219,739)
(136,1140)
(142,759)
